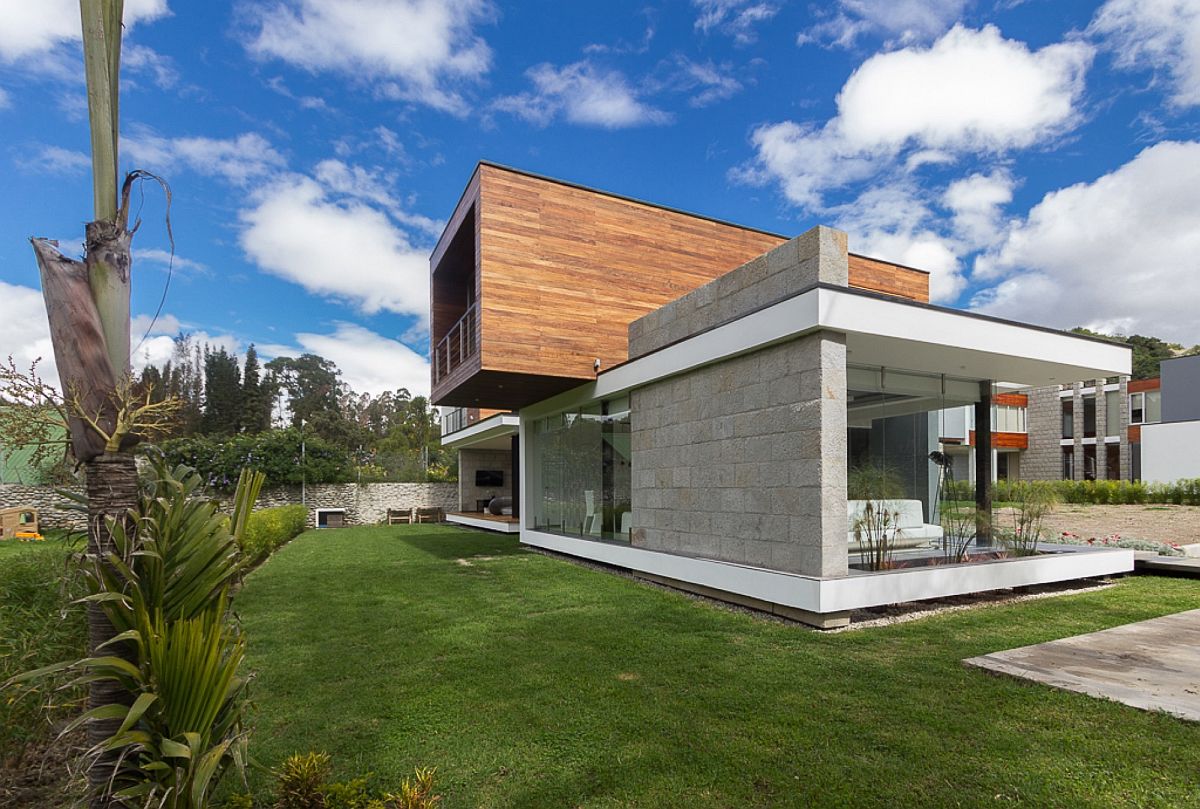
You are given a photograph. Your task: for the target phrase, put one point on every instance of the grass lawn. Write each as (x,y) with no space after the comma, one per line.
(529,681)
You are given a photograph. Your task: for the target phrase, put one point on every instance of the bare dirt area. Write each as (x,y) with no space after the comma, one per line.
(1157,523)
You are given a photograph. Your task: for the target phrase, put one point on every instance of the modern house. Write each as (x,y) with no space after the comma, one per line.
(1171,443)
(695,401)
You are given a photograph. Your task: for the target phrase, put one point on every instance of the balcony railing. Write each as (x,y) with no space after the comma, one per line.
(454,420)
(460,344)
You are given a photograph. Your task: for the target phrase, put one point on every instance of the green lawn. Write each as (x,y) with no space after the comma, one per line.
(529,681)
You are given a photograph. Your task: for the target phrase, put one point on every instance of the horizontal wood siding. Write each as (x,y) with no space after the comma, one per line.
(1140,385)
(1011,399)
(565,270)
(890,279)
(1006,440)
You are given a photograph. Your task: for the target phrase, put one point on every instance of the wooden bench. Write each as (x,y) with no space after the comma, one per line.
(397,516)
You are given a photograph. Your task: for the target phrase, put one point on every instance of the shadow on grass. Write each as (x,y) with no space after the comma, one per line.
(441,541)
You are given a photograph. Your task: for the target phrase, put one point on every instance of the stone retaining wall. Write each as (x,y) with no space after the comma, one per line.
(365,504)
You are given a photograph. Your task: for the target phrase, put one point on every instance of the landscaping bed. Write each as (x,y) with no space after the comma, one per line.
(530,681)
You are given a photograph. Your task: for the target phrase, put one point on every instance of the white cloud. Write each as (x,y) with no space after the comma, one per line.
(248,156)
(903,21)
(372,186)
(971,91)
(5,99)
(894,224)
(156,255)
(976,204)
(141,59)
(735,18)
(369,362)
(706,82)
(151,326)
(310,234)
(57,160)
(33,27)
(1160,35)
(1120,250)
(25,331)
(584,94)
(415,50)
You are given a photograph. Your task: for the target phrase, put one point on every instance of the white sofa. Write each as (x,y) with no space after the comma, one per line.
(913,531)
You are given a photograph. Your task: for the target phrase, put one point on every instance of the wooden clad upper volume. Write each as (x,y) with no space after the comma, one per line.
(551,274)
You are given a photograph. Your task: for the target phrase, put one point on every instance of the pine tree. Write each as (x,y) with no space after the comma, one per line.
(222,393)
(256,398)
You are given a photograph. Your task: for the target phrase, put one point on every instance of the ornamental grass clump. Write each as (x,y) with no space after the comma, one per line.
(1032,501)
(878,522)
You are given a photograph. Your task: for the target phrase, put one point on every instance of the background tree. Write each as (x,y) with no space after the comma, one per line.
(312,384)
(222,393)
(256,398)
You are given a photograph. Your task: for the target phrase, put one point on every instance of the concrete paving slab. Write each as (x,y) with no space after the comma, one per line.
(1153,665)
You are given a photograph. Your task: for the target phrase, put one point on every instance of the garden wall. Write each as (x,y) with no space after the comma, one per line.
(365,504)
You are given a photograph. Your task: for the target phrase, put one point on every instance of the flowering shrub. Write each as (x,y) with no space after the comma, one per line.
(1118,541)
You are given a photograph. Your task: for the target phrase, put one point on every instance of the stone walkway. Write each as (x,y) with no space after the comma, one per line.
(1153,665)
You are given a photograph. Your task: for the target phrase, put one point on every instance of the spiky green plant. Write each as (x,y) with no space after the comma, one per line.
(177,648)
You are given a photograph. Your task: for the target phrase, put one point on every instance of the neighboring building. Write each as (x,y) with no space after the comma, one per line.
(694,401)
(1081,431)
(1171,448)
(1010,437)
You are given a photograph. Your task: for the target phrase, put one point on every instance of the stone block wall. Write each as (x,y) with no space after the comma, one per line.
(1043,459)
(816,255)
(365,504)
(1043,421)
(470,460)
(50,505)
(745,461)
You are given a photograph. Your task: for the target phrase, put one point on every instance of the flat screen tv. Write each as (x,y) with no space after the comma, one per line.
(489,478)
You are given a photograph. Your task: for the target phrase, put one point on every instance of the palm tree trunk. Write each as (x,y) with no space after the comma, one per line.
(112,491)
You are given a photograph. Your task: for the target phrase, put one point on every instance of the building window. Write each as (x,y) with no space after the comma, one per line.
(1068,463)
(1001,466)
(1008,419)
(581,460)
(1112,412)
(1112,461)
(1145,407)
(1068,418)
(1089,462)
(1089,416)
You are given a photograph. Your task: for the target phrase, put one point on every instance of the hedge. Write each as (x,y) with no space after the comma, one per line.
(1098,492)
(269,528)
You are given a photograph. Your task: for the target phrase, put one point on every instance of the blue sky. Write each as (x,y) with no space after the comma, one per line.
(1040,158)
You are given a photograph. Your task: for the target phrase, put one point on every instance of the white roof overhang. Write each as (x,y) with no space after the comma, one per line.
(494,432)
(880,331)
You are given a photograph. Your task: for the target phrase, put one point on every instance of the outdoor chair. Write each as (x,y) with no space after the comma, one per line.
(433,514)
(399,516)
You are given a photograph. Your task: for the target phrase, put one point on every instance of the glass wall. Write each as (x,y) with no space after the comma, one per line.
(895,419)
(580,472)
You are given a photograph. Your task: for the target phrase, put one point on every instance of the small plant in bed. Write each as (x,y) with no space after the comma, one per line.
(1118,541)
(878,523)
(1032,502)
